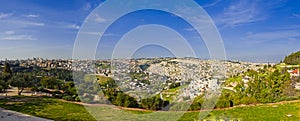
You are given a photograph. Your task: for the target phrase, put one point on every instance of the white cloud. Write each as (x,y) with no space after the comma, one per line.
(189,29)
(93,33)
(111,34)
(296,15)
(212,4)
(17,22)
(242,12)
(99,19)
(73,26)
(9,32)
(274,35)
(32,15)
(287,27)
(99,33)
(5,15)
(18,37)
(12,35)
(30,23)
(87,6)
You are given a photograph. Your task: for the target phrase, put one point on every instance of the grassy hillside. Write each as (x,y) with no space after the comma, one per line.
(58,110)
(46,107)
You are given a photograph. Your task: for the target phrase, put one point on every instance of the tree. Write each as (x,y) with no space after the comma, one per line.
(69,88)
(4,77)
(293,58)
(174,85)
(7,69)
(21,81)
(195,106)
(125,100)
(50,83)
(130,102)
(154,103)
(264,86)
(120,99)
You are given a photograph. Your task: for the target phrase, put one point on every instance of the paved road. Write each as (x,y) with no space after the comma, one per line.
(7,115)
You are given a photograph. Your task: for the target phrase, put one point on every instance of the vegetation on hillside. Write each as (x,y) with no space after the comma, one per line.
(57,82)
(268,85)
(293,59)
(264,86)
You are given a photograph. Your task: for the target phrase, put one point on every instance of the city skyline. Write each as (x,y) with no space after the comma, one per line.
(253,31)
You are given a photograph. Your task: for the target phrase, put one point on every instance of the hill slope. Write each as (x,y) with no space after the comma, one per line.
(293,58)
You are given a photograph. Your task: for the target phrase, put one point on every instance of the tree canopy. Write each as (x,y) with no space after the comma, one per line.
(293,58)
(5,76)
(22,81)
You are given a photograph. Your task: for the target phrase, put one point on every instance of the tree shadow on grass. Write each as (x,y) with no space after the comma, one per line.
(29,105)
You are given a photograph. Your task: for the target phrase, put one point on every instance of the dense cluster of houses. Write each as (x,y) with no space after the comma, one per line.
(40,62)
(194,75)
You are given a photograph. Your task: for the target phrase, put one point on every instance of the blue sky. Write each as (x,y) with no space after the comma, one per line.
(252,30)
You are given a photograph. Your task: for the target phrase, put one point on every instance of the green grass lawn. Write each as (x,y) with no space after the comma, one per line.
(46,107)
(256,113)
(55,109)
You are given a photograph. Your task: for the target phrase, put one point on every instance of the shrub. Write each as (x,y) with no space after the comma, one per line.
(74,96)
(223,103)
(180,106)
(195,106)
(248,100)
(68,98)
(86,100)
(57,95)
(77,99)
(56,92)
(34,88)
(154,103)
(41,89)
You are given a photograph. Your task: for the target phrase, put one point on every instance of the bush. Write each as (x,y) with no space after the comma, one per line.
(57,95)
(154,103)
(68,98)
(180,106)
(292,98)
(56,92)
(195,106)
(174,85)
(223,103)
(34,88)
(248,100)
(41,89)
(77,99)
(86,100)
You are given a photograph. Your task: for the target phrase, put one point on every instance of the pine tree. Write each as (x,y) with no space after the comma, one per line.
(7,69)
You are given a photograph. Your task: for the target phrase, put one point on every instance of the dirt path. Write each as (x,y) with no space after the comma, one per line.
(13,92)
(8,115)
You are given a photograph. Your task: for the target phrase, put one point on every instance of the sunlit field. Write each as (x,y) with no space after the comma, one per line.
(55,109)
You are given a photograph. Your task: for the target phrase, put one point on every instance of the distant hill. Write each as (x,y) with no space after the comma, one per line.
(293,58)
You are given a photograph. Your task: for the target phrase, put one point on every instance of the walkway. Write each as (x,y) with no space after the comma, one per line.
(8,115)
